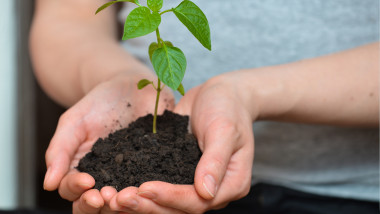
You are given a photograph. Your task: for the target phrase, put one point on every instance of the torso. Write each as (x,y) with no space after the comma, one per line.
(247,34)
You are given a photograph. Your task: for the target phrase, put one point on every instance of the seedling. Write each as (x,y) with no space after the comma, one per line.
(168,61)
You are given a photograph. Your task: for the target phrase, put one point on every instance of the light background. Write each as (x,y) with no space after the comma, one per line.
(8,107)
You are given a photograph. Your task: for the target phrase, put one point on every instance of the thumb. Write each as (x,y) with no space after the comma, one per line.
(60,152)
(217,152)
(184,106)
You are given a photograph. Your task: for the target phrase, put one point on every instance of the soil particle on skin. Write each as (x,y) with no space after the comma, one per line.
(134,155)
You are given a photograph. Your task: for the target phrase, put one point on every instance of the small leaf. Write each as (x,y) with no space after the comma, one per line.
(170,65)
(153,46)
(181,90)
(155,5)
(195,20)
(104,6)
(168,44)
(140,22)
(142,83)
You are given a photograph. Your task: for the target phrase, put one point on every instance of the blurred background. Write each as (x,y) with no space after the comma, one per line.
(27,118)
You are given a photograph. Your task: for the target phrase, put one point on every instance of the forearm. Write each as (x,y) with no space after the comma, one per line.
(338,89)
(73,50)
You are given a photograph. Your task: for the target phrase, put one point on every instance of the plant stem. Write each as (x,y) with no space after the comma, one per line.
(156,107)
(165,11)
(158,89)
(158,37)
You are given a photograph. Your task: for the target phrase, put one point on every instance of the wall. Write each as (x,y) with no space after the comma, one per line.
(8,108)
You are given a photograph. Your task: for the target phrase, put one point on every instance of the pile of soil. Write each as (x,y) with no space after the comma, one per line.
(134,155)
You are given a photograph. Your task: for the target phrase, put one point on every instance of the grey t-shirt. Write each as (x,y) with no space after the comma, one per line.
(326,160)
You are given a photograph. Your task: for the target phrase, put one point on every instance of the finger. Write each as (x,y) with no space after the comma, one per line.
(179,197)
(107,193)
(185,198)
(184,106)
(61,150)
(56,169)
(236,184)
(90,202)
(220,140)
(237,180)
(129,201)
(74,184)
(114,203)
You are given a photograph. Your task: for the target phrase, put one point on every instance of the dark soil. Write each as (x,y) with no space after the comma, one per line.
(134,155)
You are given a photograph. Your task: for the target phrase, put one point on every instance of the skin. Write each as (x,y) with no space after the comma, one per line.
(99,78)
(97,81)
(222,112)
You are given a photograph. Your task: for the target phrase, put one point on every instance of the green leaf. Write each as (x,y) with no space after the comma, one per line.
(195,20)
(169,44)
(142,83)
(104,6)
(140,22)
(155,5)
(170,65)
(181,90)
(153,46)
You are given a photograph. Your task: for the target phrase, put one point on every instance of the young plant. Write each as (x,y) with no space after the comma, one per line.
(168,61)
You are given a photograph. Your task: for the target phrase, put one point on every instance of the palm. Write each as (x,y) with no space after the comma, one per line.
(215,112)
(223,128)
(108,107)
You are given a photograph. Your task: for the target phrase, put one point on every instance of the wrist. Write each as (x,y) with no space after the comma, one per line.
(237,87)
(248,94)
(263,92)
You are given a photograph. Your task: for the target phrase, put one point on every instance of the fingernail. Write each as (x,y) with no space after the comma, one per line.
(47,177)
(132,203)
(147,194)
(210,185)
(94,205)
(86,185)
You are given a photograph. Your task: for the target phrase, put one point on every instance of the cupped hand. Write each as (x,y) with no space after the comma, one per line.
(111,105)
(221,121)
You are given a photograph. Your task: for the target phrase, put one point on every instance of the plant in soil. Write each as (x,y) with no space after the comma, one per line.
(144,151)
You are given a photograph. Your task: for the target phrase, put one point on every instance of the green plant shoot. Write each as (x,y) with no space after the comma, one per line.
(168,61)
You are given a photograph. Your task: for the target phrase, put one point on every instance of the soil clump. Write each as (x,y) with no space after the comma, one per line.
(134,155)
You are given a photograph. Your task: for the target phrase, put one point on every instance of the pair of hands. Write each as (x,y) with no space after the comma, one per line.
(220,120)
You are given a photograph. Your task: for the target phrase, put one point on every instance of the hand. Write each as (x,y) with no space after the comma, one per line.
(108,107)
(223,126)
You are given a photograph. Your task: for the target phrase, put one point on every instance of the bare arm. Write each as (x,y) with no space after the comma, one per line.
(73,50)
(79,62)
(337,89)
